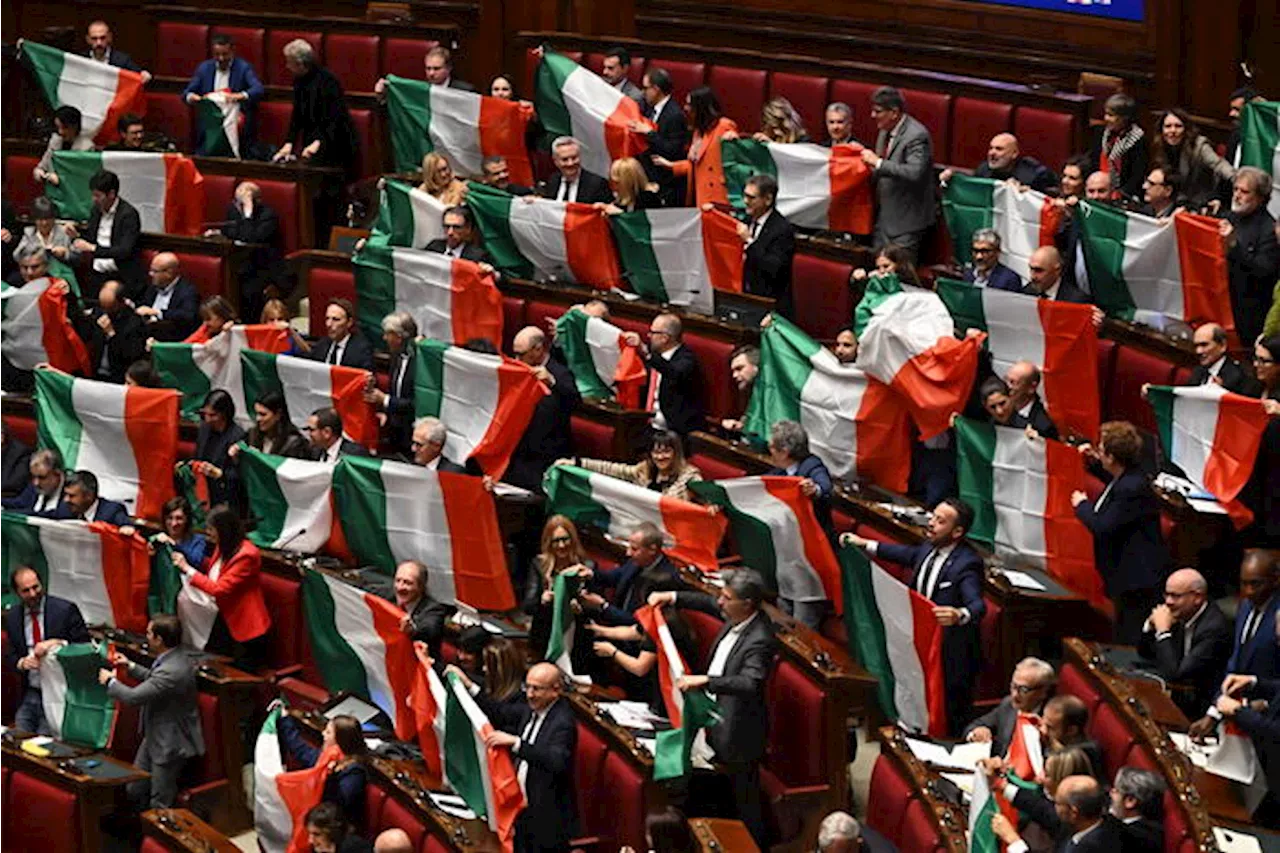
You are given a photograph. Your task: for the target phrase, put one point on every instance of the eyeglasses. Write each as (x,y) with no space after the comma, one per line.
(1023,689)
(978,251)
(561,540)
(1153,183)
(308,429)
(1257,359)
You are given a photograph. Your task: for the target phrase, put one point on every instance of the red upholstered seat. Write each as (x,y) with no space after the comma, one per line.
(537,313)
(741,93)
(808,94)
(209,767)
(374,798)
(717,386)
(353,58)
(325,284)
(715,469)
(618,818)
(405,57)
(887,799)
(180,47)
(431,844)
(823,300)
(1072,683)
(991,683)
(857,94)
(933,110)
(594,811)
(219,190)
(250,45)
(1177,828)
(150,845)
(303,694)
(1112,735)
(282,197)
(1134,368)
(204,270)
(513,309)
(277,74)
(575,55)
(685,76)
(1182,375)
(594,62)
(169,114)
(394,814)
(1047,135)
(1106,367)
(591,438)
(795,750)
(273,121)
(370,147)
(20,186)
(704,627)
(50,817)
(288,636)
(976,121)
(918,832)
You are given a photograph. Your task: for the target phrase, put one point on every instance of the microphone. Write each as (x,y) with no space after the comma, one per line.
(286,543)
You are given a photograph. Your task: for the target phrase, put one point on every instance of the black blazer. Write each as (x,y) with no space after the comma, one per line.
(294,445)
(1128,548)
(212,447)
(400,409)
(62,621)
(628,582)
(591,188)
(262,265)
(126,230)
(1000,278)
(1234,378)
(470,252)
(1202,667)
(1000,720)
(448,466)
(1067,292)
(112,512)
(17,467)
(428,618)
(766,266)
(548,437)
(119,59)
(181,317)
(550,818)
(1251,270)
(1262,726)
(1038,420)
(669,140)
(25,500)
(680,394)
(126,346)
(346,448)
(357,352)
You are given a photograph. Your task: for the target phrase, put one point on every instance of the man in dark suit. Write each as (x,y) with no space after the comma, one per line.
(437,66)
(946,570)
(670,138)
(16,464)
(840,832)
(571,182)
(111,237)
(1046,280)
(675,379)
(1160,194)
(171,734)
(1005,162)
(1137,804)
(102,49)
(250,220)
(543,738)
(43,492)
(614,71)
(1188,641)
(459,240)
(427,446)
(80,501)
(1253,256)
(1023,379)
(548,437)
(769,241)
(399,331)
(37,626)
(987,271)
(343,344)
(324,428)
(839,121)
(171,303)
(1030,688)
(497,174)
(645,566)
(424,616)
(1063,726)
(1217,366)
(1081,806)
(226,71)
(1262,724)
(117,337)
(902,168)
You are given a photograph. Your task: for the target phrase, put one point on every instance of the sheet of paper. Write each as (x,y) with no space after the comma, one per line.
(969,754)
(930,753)
(963,781)
(1022,580)
(450,804)
(1234,759)
(1198,753)
(630,715)
(1231,841)
(353,706)
(1208,506)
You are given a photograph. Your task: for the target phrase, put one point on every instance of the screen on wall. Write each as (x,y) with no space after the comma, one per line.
(1122,10)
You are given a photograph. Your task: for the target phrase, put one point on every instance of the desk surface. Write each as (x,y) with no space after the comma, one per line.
(720,835)
(71,771)
(950,821)
(180,830)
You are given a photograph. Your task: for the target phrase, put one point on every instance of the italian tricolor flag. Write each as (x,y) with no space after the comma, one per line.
(76,706)
(309,385)
(100,91)
(893,633)
(906,339)
(563,624)
(393,511)
(101,570)
(197,369)
(856,424)
(777,532)
(573,101)
(691,533)
(127,436)
(1057,337)
(292,500)
(36,329)
(167,189)
(1026,753)
(1024,219)
(604,366)
(464,127)
(358,646)
(1147,270)
(485,401)
(485,777)
(282,798)
(1210,433)
(1260,144)
(680,256)
(407,216)
(450,298)
(983,806)
(536,237)
(818,187)
(1020,489)
(220,119)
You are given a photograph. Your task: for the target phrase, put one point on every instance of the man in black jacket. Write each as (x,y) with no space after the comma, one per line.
(1045,279)
(399,330)
(424,616)
(670,138)
(80,500)
(1217,366)
(1081,805)
(101,43)
(324,428)
(571,182)
(1031,686)
(548,436)
(1137,803)
(43,492)
(170,304)
(111,237)
(1260,721)
(249,220)
(1188,640)
(429,438)
(116,335)
(1005,161)
(770,244)
(1023,379)
(459,236)
(1253,257)
(39,625)
(343,343)
(675,379)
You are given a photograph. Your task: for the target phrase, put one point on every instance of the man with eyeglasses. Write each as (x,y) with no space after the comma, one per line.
(1187,639)
(769,244)
(675,378)
(44,492)
(902,168)
(986,270)
(1081,804)
(427,446)
(548,436)
(459,240)
(1159,194)
(1253,255)
(1031,686)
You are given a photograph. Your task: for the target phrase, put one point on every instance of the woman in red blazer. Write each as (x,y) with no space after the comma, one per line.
(232,575)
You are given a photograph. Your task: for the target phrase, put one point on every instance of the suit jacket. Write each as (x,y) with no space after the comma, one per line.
(181,317)
(238,591)
(469,252)
(626,582)
(428,617)
(904,181)
(766,264)
(1251,269)
(632,91)
(17,467)
(1233,376)
(126,230)
(262,265)
(1139,836)
(119,59)
(1027,171)
(460,85)
(813,468)
(547,437)
(167,693)
(1038,419)
(25,501)
(1000,277)
(1067,292)
(550,818)
(670,140)
(1258,656)
(294,445)
(127,345)
(1103,838)
(214,447)
(62,621)
(1263,726)
(1000,720)
(346,448)
(241,79)
(1201,667)
(109,511)
(399,408)
(448,466)
(680,394)
(356,353)
(591,188)
(1128,548)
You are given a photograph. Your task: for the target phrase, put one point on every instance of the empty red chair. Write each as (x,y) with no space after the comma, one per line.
(1072,682)
(1106,367)
(593,62)
(685,76)
(249,44)
(887,800)
(933,110)
(282,197)
(21,187)
(180,47)
(288,640)
(1113,737)
(219,190)
(353,58)
(394,814)
(808,94)
(718,390)
(273,121)
(325,284)
(588,769)
(513,309)
(824,301)
(206,271)
(405,57)
(741,93)
(277,74)
(1133,369)
(713,468)
(169,114)
(976,120)
(591,438)
(50,817)
(375,796)
(1047,135)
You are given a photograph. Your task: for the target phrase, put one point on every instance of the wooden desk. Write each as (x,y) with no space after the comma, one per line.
(182,832)
(948,820)
(95,789)
(720,835)
(621,741)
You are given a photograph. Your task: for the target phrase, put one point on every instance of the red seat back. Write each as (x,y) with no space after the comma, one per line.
(19,185)
(288,636)
(887,799)
(976,121)
(591,438)
(1072,682)
(1106,367)
(857,94)
(205,271)
(209,767)
(50,817)
(394,814)
(180,47)
(933,110)
(374,798)
(796,749)
(718,390)
(250,45)
(620,791)
(282,197)
(808,94)
(370,146)
(991,682)
(219,190)
(277,74)
(704,628)
(326,284)
(713,468)
(588,770)
(1133,369)
(404,57)
(1112,735)
(513,310)
(741,93)
(167,113)
(273,121)
(1047,135)
(918,830)
(685,76)
(353,58)
(824,301)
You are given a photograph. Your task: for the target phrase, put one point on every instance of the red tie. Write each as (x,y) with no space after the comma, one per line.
(652,400)
(35,629)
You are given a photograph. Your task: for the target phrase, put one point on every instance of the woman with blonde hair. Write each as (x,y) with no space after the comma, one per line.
(439,182)
(277,313)
(560,551)
(664,469)
(503,666)
(779,122)
(632,189)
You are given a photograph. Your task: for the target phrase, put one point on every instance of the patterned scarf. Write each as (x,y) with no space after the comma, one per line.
(1115,147)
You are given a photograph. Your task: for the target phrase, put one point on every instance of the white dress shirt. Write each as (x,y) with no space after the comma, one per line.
(659,419)
(103,239)
(530,735)
(163,298)
(33,675)
(1214,370)
(335,351)
(49,502)
(568,189)
(221,79)
(720,658)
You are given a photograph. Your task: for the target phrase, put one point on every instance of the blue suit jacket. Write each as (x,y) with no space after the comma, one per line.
(1259,656)
(25,501)
(1001,278)
(1127,545)
(109,511)
(62,621)
(623,580)
(814,469)
(242,80)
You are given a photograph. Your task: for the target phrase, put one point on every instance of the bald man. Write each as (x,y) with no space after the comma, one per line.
(1005,161)
(1045,281)
(1081,804)
(548,436)
(1216,366)
(1023,379)
(171,304)
(1187,639)
(393,841)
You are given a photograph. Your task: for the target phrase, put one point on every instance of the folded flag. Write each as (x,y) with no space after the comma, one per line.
(485,401)
(776,530)
(464,127)
(1057,337)
(101,570)
(407,216)
(127,436)
(76,707)
(309,385)
(690,533)
(197,369)
(573,101)
(893,633)
(906,339)
(166,580)
(167,189)
(856,424)
(449,298)
(530,237)
(1260,144)
(282,798)
(197,611)
(604,366)
(102,92)
(563,624)
(1210,433)
(1020,490)
(1148,270)
(1026,754)
(427,700)
(219,118)
(1024,219)
(680,256)
(358,646)
(392,512)
(485,777)
(818,187)
(983,806)
(36,329)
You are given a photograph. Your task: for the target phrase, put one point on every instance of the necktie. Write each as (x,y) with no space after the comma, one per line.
(926,571)
(652,402)
(1250,627)
(35,629)
(566,191)
(755,229)
(333,353)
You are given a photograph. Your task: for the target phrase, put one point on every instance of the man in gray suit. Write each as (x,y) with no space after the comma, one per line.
(902,167)
(170,722)
(617,65)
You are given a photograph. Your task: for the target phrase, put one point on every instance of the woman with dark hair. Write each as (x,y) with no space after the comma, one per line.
(216,314)
(1261,494)
(142,375)
(179,532)
(892,259)
(232,574)
(704,169)
(1119,150)
(561,551)
(217,434)
(348,774)
(1183,150)
(272,431)
(329,832)
(667,831)
(664,468)
(1125,522)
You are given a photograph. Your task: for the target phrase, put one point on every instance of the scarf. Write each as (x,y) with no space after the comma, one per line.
(1115,147)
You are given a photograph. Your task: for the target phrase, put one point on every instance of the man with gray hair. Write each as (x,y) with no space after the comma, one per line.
(548,436)
(1253,256)
(424,617)
(427,446)
(840,832)
(1137,804)
(986,269)
(399,333)
(1187,640)
(571,182)
(902,168)
(1031,686)
(44,492)
(839,120)
(800,591)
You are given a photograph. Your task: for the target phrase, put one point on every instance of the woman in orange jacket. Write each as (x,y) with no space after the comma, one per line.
(703,170)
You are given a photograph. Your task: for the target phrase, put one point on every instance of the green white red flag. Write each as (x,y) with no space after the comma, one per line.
(102,92)
(35,328)
(167,189)
(220,120)
(309,385)
(282,798)
(407,216)
(604,365)
(1025,219)
(680,256)
(485,777)
(76,707)
(818,187)
(197,369)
